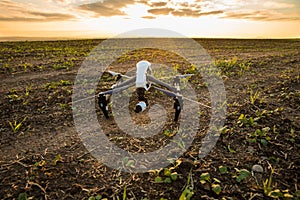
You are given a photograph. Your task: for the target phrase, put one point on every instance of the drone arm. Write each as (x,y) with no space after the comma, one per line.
(127,82)
(154,80)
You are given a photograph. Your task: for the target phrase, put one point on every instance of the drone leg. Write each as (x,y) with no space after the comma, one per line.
(177,106)
(103,104)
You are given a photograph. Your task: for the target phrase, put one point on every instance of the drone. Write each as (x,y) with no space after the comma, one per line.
(143,81)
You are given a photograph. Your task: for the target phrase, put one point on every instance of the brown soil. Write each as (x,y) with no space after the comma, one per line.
(44,158)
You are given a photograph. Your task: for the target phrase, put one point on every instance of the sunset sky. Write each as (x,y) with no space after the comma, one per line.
(192,18)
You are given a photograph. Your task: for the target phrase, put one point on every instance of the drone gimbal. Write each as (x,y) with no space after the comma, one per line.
(143,81)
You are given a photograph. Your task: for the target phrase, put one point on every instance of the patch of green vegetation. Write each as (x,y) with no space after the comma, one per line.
(233,66)
(245,120)
(54,85)
(261,136)
(14,96)
(65,65)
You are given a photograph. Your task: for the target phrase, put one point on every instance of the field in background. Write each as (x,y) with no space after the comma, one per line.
(256,157)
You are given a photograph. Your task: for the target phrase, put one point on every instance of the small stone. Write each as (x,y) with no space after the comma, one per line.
(257,168)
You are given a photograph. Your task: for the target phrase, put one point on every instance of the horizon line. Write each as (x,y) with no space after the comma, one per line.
(33,38)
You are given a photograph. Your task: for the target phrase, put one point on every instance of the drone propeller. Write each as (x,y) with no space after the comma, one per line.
(178,76)
(117,74)
(184,75)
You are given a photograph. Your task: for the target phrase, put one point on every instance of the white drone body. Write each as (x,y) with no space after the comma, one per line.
(143,68)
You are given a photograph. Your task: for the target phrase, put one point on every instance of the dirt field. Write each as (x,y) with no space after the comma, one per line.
(256,156)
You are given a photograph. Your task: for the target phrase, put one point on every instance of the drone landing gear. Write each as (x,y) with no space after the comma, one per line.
(177,107)
(103,104)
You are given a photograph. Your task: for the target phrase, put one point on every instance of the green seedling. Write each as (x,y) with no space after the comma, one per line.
(125,193)
(168,133)
(128,162)
(98,197)
(216,188)
(56,159)
(261,135)
(54,85)
(267,184)
(23,196)
(167,177)
(15,126)
(253,96)
(14,96)
(231,150)
(204,178)
(242,174)
(28,90)
(223,169)
(245,120)
(188,191)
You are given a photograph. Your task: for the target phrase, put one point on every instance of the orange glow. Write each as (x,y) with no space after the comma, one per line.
(89,19)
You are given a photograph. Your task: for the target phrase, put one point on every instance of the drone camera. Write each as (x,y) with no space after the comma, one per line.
(141,106)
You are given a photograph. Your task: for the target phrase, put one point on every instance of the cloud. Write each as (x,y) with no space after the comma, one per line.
(161,11)
(265,15)
(194,13)
(149,17)
(38,17)
(107,8)
(158,4)
(9,5)
(186,12)
(14,11)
